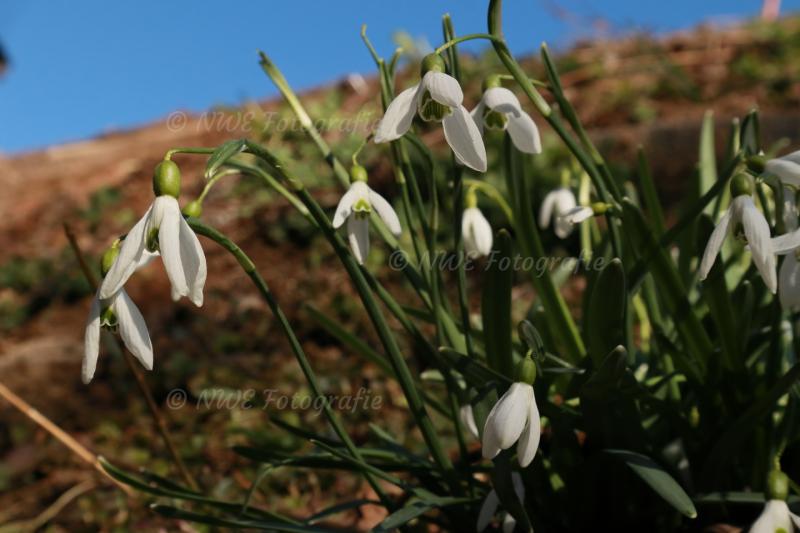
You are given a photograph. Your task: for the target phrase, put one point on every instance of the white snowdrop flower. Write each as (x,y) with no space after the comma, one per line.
(776,517)
(786,168)
(117,313)
(355,207)
(577,214)
(162,229)
(789,273)
(515,418)
(437,97)
(467,418)
(558,202)
(476,232)
(490,504)
(499,109)
(743,211)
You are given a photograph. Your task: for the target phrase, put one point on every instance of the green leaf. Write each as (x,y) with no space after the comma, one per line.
(475,373)
(405,514)
(180,514)
(750,134)
(708,158)
(222,154)
(658,480)
(605,320)
(496,306)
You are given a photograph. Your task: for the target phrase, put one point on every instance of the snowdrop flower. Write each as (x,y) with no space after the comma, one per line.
(577,214)
(117,313)
(437,97)
(490,504)
(786,168)
(162,229)
(789,245)
(475,229)
(499,109)
(467,418)
(776,516)
(743,211)
(558,202)
(355,207)
(515,417)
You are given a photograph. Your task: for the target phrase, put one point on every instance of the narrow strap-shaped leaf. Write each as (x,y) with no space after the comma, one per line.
(605,326)
(239,523)
(222,154)
(707,175)
(496,306)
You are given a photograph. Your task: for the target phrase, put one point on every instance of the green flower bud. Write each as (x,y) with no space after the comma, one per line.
(432,62)
(358,173)
(167,179)
(526,371)
(757,163)
(193,209)
(777,485)
(108,258)
(490,82)
(741,184)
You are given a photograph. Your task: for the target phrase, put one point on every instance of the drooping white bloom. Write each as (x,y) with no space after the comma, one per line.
(476,232)
(120,313)
(515,417)
(467,418)
(558,202)
(437,96)
(789,274)
(775,517)
(786,168)
(162,229)
(354,207)
(743,211)
(577,214)
(499,108)
(490,504)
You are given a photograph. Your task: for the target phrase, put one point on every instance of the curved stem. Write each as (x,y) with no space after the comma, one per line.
(492,193)
(469,37)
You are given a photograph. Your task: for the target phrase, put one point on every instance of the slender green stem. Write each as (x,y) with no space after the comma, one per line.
(463,38)
(250,269)
(491,192)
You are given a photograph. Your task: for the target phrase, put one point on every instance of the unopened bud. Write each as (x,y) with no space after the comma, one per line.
(167,179)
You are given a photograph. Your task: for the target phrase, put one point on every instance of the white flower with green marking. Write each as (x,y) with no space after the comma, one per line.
(436,98)
(476,232)
(557,203)
(776,517)
(499,109)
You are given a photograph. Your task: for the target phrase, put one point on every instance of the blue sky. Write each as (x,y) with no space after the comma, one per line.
(80,68)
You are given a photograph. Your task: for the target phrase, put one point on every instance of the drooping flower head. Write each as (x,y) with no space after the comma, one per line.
(356,206)
(436,98)
(776,516)
(499,109)
(789,245)
(116,313)
(515,418)
(475,229)
(742,213)
(162,229)
(557,203)
(785,168)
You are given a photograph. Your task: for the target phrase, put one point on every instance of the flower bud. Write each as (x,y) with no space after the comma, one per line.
(167,179)
(193,209)
(741,184)
(526,371)
(490,82)
(757,163)
(358,173)
(108,258)
(777,485)
(432,62)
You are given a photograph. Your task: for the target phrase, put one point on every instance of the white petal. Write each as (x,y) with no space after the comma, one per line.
(476,232)
(386,212)
(794,157)
(467,419)
(502,100)
(786,243)
(565,202)
(91,341)
(133,329)
(194,262)
(464,138)
(509,523)
(443,88)
(529,440)
(358,234)
(774,516)
(578,214)
(507,418)
(399,115)
(790,213)
(146,258)
(345,206)
(128,259)
(795,520)
(170,244)
(488,508)
(524,133)
(546,209)
(789,283)
(756,229)
(714,244)
(787,171)
(477,116)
